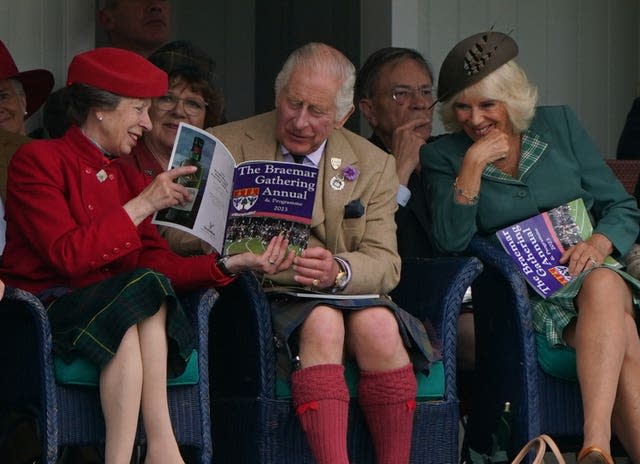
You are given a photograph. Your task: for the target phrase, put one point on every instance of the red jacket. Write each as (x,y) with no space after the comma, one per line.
(66,225)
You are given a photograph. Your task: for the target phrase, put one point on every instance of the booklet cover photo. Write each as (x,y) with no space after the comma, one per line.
(537,243)
(237,208)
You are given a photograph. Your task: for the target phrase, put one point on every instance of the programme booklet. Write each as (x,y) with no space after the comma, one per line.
(236,208)
(537,243)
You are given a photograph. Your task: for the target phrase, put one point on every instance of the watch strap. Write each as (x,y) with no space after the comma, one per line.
(221,264)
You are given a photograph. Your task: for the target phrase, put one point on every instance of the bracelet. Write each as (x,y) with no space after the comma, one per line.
(472,199)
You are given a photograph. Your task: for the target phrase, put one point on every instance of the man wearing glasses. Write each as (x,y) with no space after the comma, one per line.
(394,91)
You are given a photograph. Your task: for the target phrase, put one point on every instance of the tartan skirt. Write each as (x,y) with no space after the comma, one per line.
(90,322)
(550,316)
(289,312)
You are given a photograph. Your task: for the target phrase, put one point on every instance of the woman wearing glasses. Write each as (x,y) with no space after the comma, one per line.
(192,98)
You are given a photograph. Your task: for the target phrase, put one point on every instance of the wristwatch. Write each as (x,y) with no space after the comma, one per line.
(221,264)
(342,278)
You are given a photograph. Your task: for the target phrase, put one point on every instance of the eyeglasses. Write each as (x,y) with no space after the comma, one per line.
(191,106)
(403,93)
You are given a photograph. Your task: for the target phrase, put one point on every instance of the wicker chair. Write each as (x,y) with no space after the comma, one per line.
(251,425)
(71,415)
(506,363)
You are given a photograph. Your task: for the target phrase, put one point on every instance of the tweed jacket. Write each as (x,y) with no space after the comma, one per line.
(367,242)
(570,167)
(66,225)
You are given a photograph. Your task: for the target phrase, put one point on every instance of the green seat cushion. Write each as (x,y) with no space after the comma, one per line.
(430,387)
(558,361)
(81,371)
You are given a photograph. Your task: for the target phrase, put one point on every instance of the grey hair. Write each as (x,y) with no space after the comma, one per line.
(17,87)
(508,84)
(317,57)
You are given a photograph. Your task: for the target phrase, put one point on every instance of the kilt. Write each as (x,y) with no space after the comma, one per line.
(91,321)
(289,312)
(551,316)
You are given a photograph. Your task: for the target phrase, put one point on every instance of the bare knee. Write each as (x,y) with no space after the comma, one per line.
(322,337)
(373,332)
(604,286)
(130,340)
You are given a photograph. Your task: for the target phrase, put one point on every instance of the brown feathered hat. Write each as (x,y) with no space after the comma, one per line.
(472,59)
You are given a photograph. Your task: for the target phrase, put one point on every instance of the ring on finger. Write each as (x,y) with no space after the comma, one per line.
(272,261)
(593,261)
(315,283)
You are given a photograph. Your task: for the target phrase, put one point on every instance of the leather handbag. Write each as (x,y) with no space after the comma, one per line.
(543,443)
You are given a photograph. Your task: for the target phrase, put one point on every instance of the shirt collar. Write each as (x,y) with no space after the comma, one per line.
(314,156)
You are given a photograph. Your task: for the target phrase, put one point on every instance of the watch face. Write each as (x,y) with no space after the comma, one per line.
(341,279)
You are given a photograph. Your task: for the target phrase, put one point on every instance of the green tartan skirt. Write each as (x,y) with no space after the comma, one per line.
(91,321)
(550,316)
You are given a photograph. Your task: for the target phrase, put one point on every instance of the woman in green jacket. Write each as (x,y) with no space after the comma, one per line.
(508,160)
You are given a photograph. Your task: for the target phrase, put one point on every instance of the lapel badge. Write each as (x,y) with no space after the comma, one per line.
(101,175)
(337,182)
(336,162)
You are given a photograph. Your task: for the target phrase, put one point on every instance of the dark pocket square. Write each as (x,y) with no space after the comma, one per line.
(353,210)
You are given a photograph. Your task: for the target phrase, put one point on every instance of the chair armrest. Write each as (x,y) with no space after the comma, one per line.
(198,305)
(242,347)
(28,354)
(506,360)
(433,288)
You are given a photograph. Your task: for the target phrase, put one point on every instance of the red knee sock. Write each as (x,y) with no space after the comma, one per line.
(388,400)
(321,401)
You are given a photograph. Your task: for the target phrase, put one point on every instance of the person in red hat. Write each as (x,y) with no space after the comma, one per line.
(79,236)
(21,93)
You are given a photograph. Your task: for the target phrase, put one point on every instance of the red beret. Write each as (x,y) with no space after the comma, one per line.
(118,71)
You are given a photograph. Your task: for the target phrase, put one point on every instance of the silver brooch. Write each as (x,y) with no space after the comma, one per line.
(337,182)
(101,175)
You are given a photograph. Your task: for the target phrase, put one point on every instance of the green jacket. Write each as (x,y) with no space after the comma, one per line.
(569,167)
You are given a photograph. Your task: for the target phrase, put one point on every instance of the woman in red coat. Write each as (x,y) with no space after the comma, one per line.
(79,236)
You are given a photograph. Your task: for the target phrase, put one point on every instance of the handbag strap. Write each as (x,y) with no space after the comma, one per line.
(541,442)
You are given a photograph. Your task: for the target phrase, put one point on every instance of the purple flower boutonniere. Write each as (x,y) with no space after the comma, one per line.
(350,172)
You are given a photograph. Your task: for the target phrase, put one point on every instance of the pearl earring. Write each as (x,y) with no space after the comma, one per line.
(99,116)
(26,112)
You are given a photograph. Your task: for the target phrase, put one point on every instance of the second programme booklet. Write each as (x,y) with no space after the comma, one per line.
(239,208)
(536,244)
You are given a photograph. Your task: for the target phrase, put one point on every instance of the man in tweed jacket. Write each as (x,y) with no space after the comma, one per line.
(352,250)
